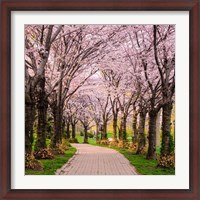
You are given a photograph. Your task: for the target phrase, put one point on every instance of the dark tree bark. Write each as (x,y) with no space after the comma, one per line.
(158,126)
(120,132)
(30,111)
(166,129)
(115,117)
(73,131)
(85,134)
(42,103)
(135,130)
(174,132)
(42,106)
(97,131)
(141,133)
(38,81)
(68,130)
(58,124)
(123,133)
(152,135)
(115,111)
(63,129)
(57,108)
(55,137)
(166,70)
(104,132)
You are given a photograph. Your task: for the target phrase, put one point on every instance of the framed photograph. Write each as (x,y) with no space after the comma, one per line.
(99,99)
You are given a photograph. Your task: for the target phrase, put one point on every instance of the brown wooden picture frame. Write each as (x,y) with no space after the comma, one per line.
(7,6)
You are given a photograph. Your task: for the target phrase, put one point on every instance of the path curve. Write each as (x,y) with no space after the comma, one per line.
(95,160)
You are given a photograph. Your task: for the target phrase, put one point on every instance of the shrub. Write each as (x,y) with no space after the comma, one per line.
(43,154)
(81,133)
(114,143)
(90,135)
(65,143)
(104,142)
(143,151)
(57,151)
(167,161)
(73,140)
(62,147)
(133,147)
(32,163)
(123,144)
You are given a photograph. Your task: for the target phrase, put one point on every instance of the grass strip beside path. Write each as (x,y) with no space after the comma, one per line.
(51,165)
(142,165)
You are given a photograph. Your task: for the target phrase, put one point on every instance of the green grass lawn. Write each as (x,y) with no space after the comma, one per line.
(142,165)
(50,166)
(81,138)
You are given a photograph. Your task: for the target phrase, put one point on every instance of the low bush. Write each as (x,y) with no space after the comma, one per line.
(57,151)
(167,161)
(133,147)
(65,144)
(90,135)
(113,143)
(32,163)
(43,154)
(104,142)
(142,151)
(73,140)
(81,133)
(123,144)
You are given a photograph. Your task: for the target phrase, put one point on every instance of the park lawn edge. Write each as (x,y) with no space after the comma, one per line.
(51,165)
(141,164)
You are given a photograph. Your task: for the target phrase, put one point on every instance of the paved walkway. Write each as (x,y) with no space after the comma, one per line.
(95,160)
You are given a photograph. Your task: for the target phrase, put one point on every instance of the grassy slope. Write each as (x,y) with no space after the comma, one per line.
(50,166)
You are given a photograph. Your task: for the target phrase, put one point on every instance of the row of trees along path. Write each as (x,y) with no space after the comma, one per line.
(95,75)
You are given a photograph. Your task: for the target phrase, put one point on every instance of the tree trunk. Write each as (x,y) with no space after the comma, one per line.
(120,131)
(85,134)
(123,128)
(73,131)
(115,127)
(68,130)
(158,129)
(56,139)
(58,119)
(174,132)
(29,121)
(97,131)
(167,143)
(104,132)
(135,130)
(141,133)
(63,129)
(152,135)
(42,106)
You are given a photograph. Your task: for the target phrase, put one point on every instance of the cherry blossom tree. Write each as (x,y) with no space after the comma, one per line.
(38,42)
(164,54)
(96,74)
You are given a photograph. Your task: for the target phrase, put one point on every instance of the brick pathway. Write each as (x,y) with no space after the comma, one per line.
(95,160)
